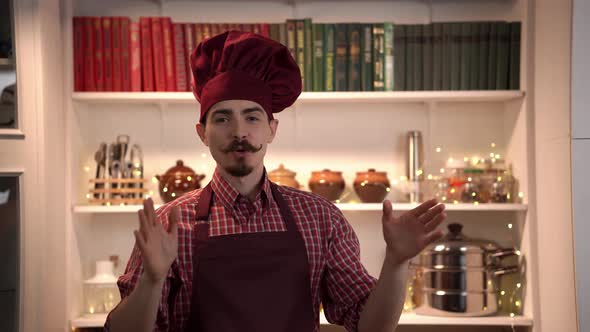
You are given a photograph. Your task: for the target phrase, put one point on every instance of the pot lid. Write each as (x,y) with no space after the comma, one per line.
(104,274)
(282,172)
(371,171)
(179,168)
(456,243)
(326,171)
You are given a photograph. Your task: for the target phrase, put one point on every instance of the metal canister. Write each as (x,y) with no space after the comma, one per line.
(414,170)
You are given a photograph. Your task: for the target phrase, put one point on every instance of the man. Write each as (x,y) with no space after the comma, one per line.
(243,254)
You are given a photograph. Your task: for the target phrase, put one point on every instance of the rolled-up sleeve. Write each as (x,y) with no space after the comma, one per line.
(127,282)
(346,284)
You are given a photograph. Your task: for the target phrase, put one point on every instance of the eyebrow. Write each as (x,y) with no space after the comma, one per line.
(228,111)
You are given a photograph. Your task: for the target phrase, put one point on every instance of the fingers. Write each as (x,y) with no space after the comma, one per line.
(432,213)
(387,209)
(434,236)
(422,208)
(173,219)
(144,226)
(139,240)
(434,223)
(148,206)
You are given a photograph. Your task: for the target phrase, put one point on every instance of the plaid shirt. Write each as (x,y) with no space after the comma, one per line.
(338,279)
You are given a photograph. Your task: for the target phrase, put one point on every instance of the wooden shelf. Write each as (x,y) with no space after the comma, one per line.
(390,97)
(6,63)
(98,320)
(342,206)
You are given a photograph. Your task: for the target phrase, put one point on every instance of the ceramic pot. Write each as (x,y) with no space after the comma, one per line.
(328,184)
(177,181)
(371,186)
(284,177)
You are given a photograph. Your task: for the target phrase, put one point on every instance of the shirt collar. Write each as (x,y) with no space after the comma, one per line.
(228,195)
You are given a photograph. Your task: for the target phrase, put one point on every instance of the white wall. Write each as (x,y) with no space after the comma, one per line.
(581,157)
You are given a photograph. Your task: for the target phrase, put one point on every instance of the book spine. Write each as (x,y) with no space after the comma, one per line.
(292,38)
(179,57)
(427,51)
(475,55)
(354,57)
(418,57)
(78,26)
(330,52)
(340,61)
(125,54)
(89,81)
(98,54)
(399,57)
(318,57)
(378,57)
(367,57)
(189,41)
(484,51)
(135,56)
(465,56)
(116,40)
(493,56)
(437,41)
(169,54)
(389,56)
(158,54)
(515,31)
(503,56)
(308,54)
(456,56)
(107,44)
(146,54)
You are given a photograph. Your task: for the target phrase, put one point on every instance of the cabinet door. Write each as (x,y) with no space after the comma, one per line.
(580,70)
(581,199)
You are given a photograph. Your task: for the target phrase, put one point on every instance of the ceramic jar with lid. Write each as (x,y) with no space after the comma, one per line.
(177,181)
(371,186)
(101,291)
(328,184)
(284,177)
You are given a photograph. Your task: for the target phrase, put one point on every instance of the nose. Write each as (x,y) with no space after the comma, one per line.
(240,130)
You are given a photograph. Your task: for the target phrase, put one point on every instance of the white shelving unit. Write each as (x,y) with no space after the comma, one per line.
(342,206)
(320,97)
(368,131)
(98,320)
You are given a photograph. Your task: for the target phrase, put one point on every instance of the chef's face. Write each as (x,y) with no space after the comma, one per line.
(237,133)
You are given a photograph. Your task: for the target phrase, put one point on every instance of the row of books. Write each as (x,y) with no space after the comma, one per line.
(115,54)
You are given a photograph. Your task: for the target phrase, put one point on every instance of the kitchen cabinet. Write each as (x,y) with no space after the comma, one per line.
(349,132)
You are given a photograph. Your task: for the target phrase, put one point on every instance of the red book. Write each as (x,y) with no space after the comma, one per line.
(197,34)
(215,29)
(158,54)
(116,38)
(89,82)
(98,54)
(135,46)
(223,27)
(256,28)
(206,27)
(169,54)
(147,61)
(125,54)
(180,56)
(265,29)
(78,25)
(189,46)
(107,44)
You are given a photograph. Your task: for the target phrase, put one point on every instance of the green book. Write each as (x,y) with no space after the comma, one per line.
(456,56)
(493,56)
(308,54)
(465,55)
(418,57)
(340,62)
(330,55)
(484,54)
(300,37)
(274,32)
(378,57)
(447,37)
(410,56)
(503,56)
(292,39)
(515,30)
(437,41)
(399,57)
(367,57)
(427,51)
(474,56)
(354,57)
(389,49)
(283,33)
(318,57)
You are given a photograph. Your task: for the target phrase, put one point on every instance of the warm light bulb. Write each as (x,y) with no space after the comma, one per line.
(86,168)
(154,180)
(509,226)
(497,156)
(203,155)
(442,170)
(493,145)
(438,149)
(429,176)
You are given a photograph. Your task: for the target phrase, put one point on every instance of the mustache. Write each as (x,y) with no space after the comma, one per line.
(242,145)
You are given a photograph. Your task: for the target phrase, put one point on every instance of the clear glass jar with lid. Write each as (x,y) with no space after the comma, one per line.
(101,291)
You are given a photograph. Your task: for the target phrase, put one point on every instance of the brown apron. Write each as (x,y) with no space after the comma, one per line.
(252,282)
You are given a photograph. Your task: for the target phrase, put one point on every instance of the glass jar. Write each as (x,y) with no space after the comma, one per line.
(456,180)
(101,292)
(471,191)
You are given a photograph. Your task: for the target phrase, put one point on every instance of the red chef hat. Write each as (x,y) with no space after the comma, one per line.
(243,65)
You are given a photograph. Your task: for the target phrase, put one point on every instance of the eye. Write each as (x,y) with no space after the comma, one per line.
(253,118)
(220,120)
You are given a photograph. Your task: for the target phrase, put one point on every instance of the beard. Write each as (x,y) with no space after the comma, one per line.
(239,170)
